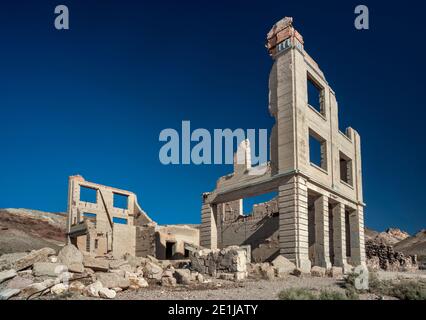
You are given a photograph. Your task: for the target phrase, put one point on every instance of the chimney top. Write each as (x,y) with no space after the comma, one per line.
(280,32)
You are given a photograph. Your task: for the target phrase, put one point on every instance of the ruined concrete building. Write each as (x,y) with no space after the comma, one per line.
(317,218)
(104,220)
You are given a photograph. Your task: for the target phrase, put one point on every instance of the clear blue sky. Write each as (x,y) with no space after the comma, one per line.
(92,100)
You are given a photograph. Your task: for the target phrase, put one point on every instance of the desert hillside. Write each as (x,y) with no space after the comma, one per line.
(24,230)
(413,245)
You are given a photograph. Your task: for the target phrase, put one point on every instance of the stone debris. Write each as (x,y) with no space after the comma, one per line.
(168,281)
(19,283)
(112,280)
(96,264)
(8,260)
(335,272)
(59,289)
(183,276)
(107,293)
(48,269)
(34,256)
(76,287)
(283,266)
(6,294)
(92,290)
(152,271)
(70,256)
(6,275)
(382,256)
(318,271)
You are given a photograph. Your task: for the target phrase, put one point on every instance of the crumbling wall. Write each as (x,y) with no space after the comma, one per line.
(259,229)
(145,241)
(228,263)
(383,256)
(176,236)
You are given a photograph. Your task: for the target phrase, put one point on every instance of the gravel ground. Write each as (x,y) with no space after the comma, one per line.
(225,290)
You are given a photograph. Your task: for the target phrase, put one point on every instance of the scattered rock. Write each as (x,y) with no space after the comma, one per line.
(6,294)
(112,280)
(133,261)
(318,271)
(152,271)
(92,290)
(70,256)
(48,269)
(115,264)
(96,264)
(283,266)
(8,260)
(107,293)
(335,272)
(267,271)
(168,281)
(238,276)
(226,276)
(33,257)
(76,287)
(19,283)
(6,275)
(34,288)
(59,289)
(183,276)
(200,278)
(297,272)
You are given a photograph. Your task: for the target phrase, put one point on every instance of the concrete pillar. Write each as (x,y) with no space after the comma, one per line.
(339,235)
(356,224)
(208,232)
(293,231)
(322,254)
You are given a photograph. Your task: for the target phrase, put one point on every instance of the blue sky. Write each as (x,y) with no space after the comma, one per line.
(92,100)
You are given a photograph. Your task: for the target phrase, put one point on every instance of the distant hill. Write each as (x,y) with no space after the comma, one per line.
(413,245)
(24,230)
(390,237)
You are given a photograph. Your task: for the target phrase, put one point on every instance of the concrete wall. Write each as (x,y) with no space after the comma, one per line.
(304,234)
(176,235)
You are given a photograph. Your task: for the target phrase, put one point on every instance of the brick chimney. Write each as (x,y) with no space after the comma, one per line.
(283,36)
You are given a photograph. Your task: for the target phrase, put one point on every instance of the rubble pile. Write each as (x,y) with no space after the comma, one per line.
(40,272)
(383,256)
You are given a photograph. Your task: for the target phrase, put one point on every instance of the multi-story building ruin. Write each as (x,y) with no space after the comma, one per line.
(317,217)
(105,220)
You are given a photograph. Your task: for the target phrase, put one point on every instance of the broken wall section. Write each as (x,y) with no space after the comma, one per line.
(258,229)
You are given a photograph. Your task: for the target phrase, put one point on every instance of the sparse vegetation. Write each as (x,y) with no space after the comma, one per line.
(296,294)
(307,294)
(401,289)
(332,295)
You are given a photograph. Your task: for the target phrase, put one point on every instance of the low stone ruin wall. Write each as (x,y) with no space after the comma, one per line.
(382,256)
(229,263)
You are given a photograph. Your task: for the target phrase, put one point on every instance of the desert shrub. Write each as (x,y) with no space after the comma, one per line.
(332,295)
(296,294)
(351,294)
(409,290)
(403,290)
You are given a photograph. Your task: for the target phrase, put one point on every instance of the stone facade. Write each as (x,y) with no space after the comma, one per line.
(100,226)
(320,205)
